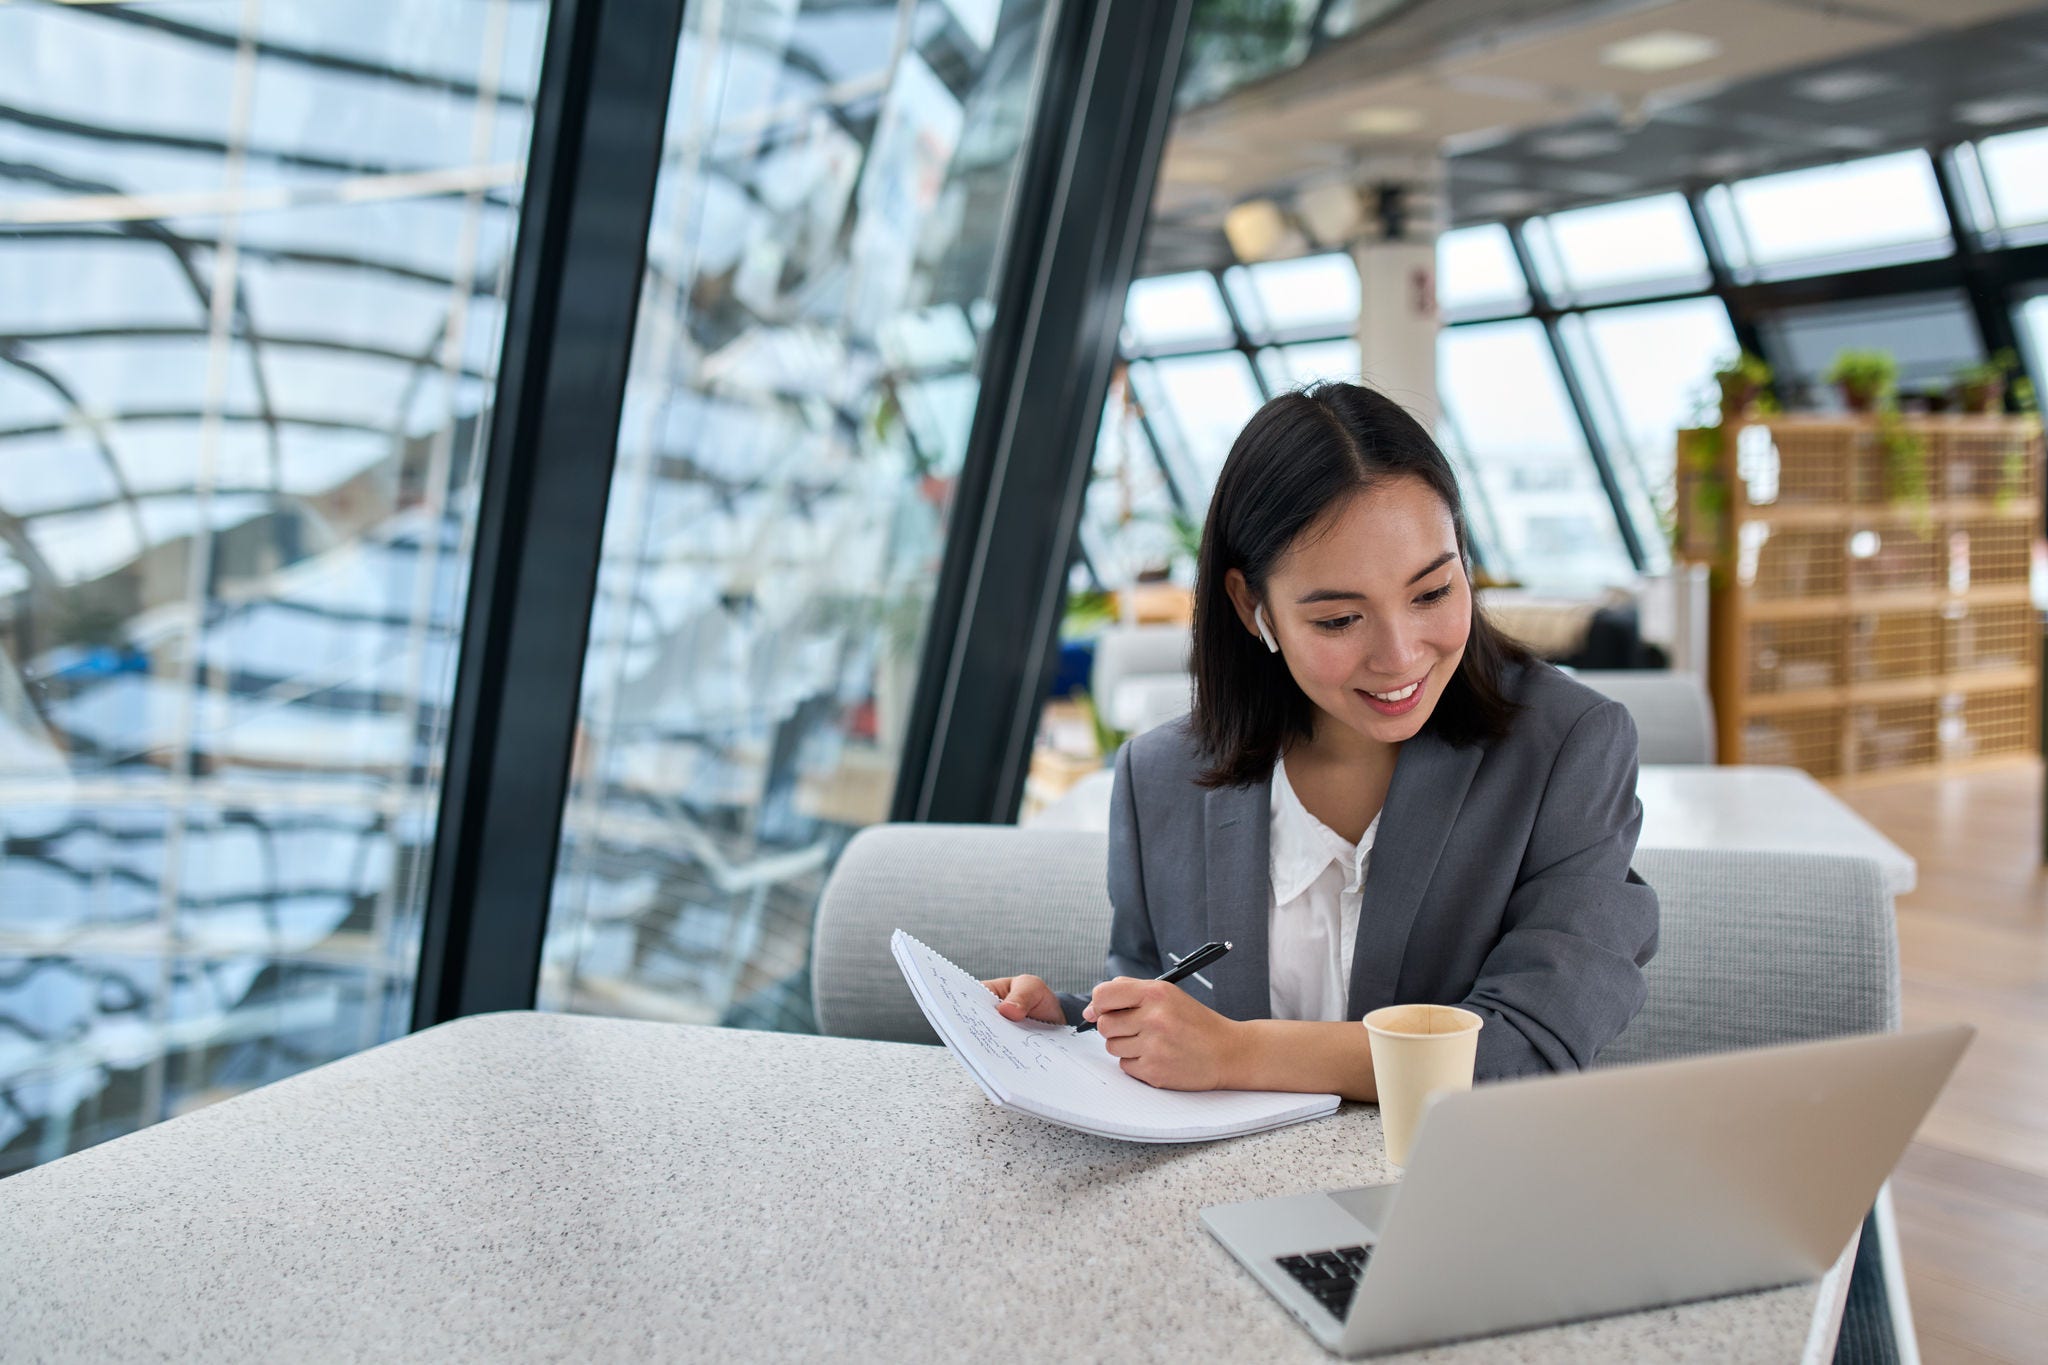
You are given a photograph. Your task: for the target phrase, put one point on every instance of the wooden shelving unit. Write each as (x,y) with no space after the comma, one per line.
(1860,624)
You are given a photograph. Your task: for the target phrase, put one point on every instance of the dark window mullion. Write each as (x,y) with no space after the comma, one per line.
(1990,302)
(1100,127)
(598,121)
(1243,344)
(1748,335)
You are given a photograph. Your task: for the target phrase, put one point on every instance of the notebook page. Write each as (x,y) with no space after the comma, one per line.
(1071,1078)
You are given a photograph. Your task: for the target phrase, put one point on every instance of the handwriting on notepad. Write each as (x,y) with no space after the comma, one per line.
(982,1033)
(1066,1052)
(977,1024)
(1046,1052)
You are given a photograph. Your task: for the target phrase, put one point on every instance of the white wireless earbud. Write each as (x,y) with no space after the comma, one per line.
(1259,616)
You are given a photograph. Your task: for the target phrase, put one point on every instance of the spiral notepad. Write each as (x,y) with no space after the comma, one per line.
(1053,1073)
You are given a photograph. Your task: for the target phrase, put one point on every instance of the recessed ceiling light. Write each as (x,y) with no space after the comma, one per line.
(1998,109)
(1504,203)
(1851,139)
(1841,87)
(1256,229)
(1577,146)
(1597,183)
(1384,120)
(1664,49)
(1724,165)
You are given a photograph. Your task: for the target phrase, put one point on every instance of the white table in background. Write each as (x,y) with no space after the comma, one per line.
(526,1187)
(1776,810)
(1780,810)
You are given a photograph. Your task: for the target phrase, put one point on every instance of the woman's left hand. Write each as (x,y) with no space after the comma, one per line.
(1164,1036)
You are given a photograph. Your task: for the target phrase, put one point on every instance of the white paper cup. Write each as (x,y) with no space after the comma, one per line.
(1418,1051)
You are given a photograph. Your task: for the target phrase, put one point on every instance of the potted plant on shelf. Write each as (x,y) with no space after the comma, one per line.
(1742,381)
(1905,467)
(1864,378)
(1981,388)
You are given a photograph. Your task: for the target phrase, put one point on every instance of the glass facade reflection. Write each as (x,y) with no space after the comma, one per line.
(835,193)
(252,266)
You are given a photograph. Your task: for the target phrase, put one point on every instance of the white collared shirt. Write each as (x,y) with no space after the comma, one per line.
(1312,921)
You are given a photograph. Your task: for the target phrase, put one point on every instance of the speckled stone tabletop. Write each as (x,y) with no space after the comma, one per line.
(529,1187)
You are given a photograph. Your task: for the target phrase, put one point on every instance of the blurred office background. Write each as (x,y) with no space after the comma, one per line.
(260,287)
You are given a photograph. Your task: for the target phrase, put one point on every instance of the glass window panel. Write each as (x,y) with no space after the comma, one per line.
(1293,367)
(1974,214)
(1476,272)
(56,470)
(2033,329)
(1509,426)
(1131,524)
(1728,231)
(1638,246)
(797,412)
(113,282)
(937,338)
(1843,217)
(43,157)
(1648,371)
(1305,297)
(411,237)
(106,376)
(81,68)
(1231,45)
(387,38)
(1198,404)
(30,400)
(939,412)
(1930,335)
(342,115)
(214,879)
(349,305)
(2015,167)
(1176,310)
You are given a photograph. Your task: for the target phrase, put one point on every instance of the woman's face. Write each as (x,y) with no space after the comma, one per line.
(1372,608)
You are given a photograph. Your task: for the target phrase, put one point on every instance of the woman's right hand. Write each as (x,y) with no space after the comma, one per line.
(1026,997)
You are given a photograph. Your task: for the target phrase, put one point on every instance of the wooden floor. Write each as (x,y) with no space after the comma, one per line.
(1972,1191)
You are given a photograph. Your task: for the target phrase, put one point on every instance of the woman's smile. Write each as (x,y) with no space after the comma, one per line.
(1398,702)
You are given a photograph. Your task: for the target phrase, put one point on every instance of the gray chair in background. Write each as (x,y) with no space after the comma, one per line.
(1140,676)
(1755,948)
(1674,719)
(992,898)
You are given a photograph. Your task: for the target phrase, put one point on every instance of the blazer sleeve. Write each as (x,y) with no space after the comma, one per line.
(1132,950)
(1566,975)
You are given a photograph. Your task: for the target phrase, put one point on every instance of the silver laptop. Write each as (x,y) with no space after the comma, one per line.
(1578,1196)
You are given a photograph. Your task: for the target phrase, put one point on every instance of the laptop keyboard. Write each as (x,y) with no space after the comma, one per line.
(1332,1276)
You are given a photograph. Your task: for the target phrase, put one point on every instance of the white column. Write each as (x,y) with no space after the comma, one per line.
(1395,251)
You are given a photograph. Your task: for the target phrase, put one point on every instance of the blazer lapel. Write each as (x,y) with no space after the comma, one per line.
(1430,780)
(1238,879)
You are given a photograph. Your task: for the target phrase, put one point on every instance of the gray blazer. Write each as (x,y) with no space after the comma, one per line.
(1499,880)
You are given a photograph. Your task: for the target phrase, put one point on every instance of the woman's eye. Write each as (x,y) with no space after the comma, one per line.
(1432,597)
(1335,623)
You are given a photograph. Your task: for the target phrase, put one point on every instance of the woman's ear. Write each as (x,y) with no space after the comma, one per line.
(1242,598)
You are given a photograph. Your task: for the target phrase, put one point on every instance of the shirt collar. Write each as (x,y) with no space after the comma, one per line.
(1302,846)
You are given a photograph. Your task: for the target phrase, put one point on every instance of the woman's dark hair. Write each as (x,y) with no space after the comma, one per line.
(1298,457)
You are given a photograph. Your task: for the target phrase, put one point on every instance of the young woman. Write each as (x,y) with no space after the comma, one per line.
(1378,799)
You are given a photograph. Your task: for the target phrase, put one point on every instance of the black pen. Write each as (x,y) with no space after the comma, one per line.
(1186,967)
